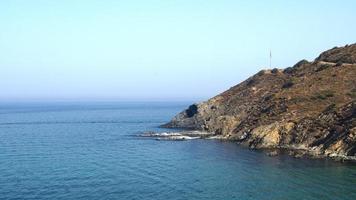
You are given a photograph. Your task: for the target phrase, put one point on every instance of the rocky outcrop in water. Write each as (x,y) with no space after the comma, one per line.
(308,108)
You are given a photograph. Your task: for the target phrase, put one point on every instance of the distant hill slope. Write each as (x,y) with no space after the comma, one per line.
(308,108)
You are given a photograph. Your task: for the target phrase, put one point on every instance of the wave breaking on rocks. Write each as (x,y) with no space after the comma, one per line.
(180,136)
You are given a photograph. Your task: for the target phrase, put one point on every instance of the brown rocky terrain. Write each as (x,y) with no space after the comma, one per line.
(307,109)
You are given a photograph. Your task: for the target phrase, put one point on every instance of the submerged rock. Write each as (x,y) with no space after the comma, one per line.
(154,134)
(272,153)
(178,138)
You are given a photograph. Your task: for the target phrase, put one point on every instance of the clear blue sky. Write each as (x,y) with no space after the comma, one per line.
(157,50)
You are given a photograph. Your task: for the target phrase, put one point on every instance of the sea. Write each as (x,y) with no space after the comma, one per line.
(92,150)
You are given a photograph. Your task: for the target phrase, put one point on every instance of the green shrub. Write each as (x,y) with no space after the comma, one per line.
(287,84)
(324,94)
(352,93)
(338,64)
(274,71)
(322,67)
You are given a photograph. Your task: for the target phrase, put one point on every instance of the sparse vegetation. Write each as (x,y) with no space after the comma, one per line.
(300,63)
(269,97)
(339,54)
(260,73)
(300,103)
(322,67)
(331,107)
(352,93)
(287,84)
(324,95)
(288,70)
(291,70)
(250,82)
(338,64)
(274,71)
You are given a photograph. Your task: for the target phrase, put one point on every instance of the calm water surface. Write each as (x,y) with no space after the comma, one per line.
(91,151)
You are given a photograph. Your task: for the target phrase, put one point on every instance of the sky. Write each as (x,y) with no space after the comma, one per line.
(157,50)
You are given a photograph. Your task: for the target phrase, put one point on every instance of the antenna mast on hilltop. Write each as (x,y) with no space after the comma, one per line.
(270,59)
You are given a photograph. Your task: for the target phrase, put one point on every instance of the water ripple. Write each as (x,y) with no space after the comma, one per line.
(95,155)
(80,122)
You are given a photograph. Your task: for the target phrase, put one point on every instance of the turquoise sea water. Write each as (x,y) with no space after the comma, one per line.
(91,151)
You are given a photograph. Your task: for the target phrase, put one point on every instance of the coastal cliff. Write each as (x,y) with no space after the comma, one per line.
(308,109)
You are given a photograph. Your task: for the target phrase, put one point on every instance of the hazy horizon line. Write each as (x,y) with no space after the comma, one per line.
(104,100)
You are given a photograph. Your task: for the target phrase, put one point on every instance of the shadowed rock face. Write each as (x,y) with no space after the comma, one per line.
(192,110)
(308,107)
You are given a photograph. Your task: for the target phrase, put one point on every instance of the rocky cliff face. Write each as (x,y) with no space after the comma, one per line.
(309,108)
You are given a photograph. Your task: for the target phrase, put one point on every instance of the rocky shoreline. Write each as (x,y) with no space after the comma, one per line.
(308,109)
(295,151)
(178,136)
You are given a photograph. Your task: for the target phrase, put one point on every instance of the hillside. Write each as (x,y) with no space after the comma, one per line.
(307,109)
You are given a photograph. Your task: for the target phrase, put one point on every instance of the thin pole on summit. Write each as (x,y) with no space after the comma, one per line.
(270,58)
